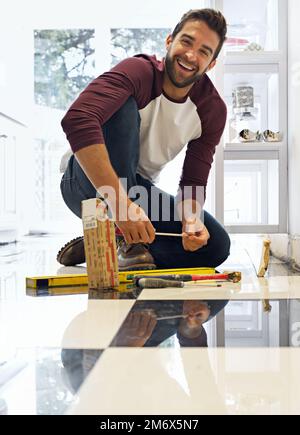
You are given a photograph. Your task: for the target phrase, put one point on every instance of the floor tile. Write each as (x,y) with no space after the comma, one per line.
(246,368)
(192,381)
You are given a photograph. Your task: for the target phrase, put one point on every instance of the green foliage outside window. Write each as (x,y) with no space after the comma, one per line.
(64,64)
(128,42)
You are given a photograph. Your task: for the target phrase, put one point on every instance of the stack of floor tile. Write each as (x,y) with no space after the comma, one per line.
(99,245)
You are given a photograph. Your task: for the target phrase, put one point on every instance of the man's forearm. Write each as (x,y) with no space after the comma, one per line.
(132,221)
(96,164)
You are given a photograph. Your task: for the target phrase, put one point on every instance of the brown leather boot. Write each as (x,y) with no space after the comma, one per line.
(130,257)
(134,257)
(72,253)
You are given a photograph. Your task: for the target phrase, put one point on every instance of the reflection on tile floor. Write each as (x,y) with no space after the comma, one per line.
(190,324)
(172,344)
(153,323)
(50,379)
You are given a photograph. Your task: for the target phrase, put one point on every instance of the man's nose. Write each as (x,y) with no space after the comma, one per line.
(191,55)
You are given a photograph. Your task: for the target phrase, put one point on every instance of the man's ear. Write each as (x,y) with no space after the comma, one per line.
(169,41)
(212,65)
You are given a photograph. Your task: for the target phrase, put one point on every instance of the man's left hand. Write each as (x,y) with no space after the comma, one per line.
(193,241)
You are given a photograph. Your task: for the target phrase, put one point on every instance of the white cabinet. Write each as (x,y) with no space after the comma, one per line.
(10,206)
(251,176)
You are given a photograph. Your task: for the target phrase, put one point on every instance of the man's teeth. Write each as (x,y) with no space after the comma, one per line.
(185,65)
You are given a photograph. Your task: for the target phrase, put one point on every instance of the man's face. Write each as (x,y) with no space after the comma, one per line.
(191,53)
(197,312)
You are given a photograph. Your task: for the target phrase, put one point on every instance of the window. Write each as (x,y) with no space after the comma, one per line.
(128,42)
(64,63)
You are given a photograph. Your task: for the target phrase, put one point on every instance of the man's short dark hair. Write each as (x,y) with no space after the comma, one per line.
(214,19)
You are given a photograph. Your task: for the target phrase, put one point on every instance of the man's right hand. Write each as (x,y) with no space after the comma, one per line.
(135,224)
(137,329)
(137,228)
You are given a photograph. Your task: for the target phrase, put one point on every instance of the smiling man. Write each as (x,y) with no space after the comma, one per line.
(190,54)
(127,125)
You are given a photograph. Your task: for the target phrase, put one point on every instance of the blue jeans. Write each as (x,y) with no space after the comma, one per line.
(121,133)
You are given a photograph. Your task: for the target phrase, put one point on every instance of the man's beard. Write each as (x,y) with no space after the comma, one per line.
(170,68)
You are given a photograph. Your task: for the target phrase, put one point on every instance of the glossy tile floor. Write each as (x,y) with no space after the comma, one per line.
(198,350)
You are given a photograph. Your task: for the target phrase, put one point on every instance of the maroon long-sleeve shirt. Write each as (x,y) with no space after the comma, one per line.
(166,125)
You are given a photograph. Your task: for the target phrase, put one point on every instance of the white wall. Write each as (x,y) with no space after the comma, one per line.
(65,13)
(16,70)
(294,129)
(287,247)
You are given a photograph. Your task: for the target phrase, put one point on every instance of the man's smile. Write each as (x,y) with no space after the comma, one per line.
(185,66)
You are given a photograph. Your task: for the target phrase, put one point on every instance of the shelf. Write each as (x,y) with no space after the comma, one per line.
(257,57)
(253,151)
(253,146)
(254,174)
(253,229)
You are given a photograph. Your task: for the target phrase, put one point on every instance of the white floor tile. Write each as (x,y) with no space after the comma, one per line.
(192,381)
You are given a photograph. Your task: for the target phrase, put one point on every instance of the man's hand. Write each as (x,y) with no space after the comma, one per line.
(129,217)
(136,329)
(195,236)
(137,227)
